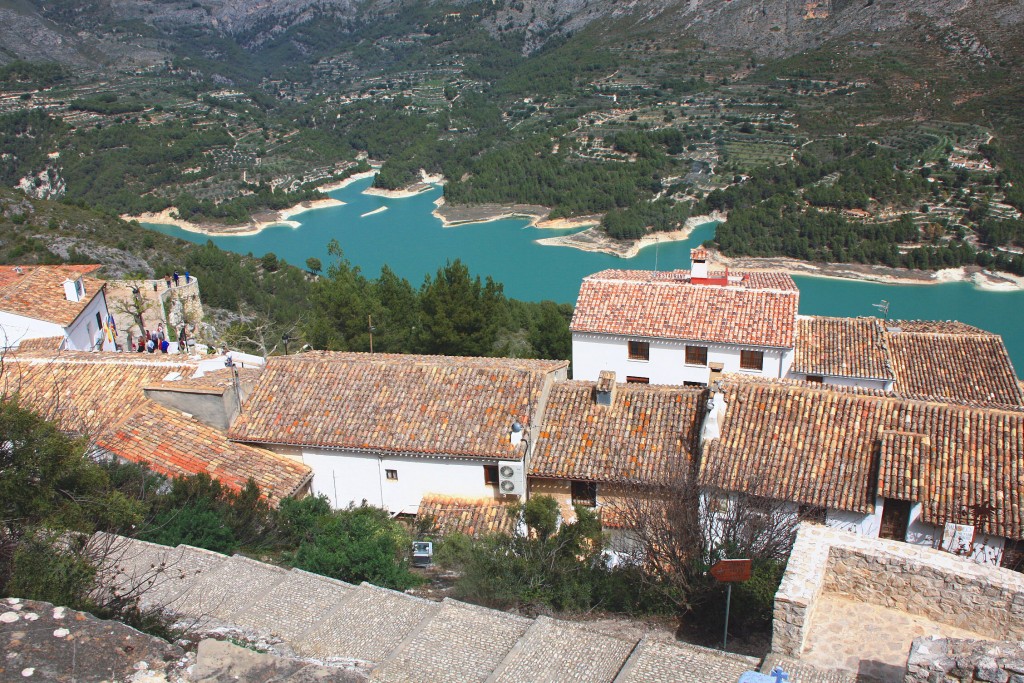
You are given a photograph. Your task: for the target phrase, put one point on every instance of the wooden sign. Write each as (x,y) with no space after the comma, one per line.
(731,571)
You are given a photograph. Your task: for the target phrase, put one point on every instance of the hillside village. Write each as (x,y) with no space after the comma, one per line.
(896,446)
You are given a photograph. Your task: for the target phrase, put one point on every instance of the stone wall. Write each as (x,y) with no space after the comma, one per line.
(940,586)
(965,661)
(183,304)
(799,590)
(931,583)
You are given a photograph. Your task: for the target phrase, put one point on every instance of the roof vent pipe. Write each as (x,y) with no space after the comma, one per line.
(515,436)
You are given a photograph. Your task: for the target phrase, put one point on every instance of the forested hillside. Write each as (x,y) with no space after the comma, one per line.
(883,133)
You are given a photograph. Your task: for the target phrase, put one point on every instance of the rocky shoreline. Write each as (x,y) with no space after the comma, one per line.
(259,222)
(979,277)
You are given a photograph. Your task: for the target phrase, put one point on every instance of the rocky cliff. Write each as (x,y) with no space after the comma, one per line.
(78,32)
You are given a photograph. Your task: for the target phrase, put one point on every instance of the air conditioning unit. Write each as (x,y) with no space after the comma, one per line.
(511,478)
(422,553)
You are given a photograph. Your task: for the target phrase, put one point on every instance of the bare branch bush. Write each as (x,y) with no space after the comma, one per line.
(677,530)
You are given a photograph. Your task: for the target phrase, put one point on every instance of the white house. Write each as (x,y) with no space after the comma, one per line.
(389,429)
(678,327)
(60,302)
(946,361)
(849,352)
(877,465)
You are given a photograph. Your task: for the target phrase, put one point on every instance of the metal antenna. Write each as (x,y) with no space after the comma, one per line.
(884,308)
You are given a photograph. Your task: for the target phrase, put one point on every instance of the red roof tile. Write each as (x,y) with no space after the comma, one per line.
(822,447)
(758,309)
(960,367)
(85,392)
(38,293)
(46,344)
(471,516)
(396,403)
(841,347)
(100,395)
(646,435)
(171,443)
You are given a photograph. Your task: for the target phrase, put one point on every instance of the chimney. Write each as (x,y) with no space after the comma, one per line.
(604,390)
(715,373)
(698,263)
(74,290)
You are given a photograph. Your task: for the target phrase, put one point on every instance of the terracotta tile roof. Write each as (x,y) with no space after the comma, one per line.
(822,447)
(646,435)
(215,382)
(394,403)
(39,293)
(759,309)
(172,444)
(46,344)
(958,463)
(960,367)
(936,326)
(471,516)
(14,273)
(841,347)
(947,361)
(797,444)
(85,392)
(100,395)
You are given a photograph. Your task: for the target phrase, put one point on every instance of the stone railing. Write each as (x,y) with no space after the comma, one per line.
(914,579)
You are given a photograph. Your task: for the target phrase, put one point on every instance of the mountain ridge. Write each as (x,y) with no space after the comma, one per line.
(110,30)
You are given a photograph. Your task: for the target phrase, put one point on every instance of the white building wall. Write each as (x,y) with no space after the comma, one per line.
(985,549)
(347,477)
(15,329)
(592,353)
(856,522)
(81,334)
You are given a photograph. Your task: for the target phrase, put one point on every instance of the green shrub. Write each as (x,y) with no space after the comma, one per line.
(45,569)
(357,544)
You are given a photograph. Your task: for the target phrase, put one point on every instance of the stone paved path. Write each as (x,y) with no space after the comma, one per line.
(868,640)
(393,636)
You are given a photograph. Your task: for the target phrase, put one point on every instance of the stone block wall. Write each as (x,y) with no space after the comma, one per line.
(799,590)
(183,304)
(913,579)
(930,583)
(964,661)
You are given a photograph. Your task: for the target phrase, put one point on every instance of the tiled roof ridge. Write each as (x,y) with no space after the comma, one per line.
(683,277)
(99,360)
(420,359)
(971,330)
(873,394)
(729,378)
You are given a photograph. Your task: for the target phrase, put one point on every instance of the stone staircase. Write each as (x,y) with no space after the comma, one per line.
(393,636)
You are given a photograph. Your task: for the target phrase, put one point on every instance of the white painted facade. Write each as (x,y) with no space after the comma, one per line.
(985,549)
(861,382)
(856,522)
(349,477)
(80,335)
(592,353)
